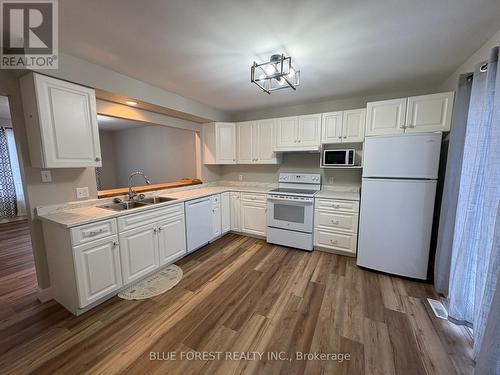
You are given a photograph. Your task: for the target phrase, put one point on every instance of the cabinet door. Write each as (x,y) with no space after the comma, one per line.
(265,142)
(309,130)
(172,239)
(98,270)
(353,125)
(216,221)
(226,142)
(225,206)
(428,113)
(68,124)
(235,211)
(386,117)
(286,132)
(331,127)
(139,252)
(253,218)
(246,142)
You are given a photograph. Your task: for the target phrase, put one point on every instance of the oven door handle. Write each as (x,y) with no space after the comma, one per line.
(291,201)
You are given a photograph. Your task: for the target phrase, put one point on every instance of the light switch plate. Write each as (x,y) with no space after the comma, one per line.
(46,176)
(82,192)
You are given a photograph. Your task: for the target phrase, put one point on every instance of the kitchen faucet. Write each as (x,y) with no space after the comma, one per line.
(131,192)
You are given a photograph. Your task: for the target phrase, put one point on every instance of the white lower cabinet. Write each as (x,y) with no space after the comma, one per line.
(172,239)
(253,214)
(235,202)
(216,216)
(139,252)
(225,208)
(336,225)
(98,269)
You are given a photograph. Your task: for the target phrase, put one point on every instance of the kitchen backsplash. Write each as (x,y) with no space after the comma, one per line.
(302,162)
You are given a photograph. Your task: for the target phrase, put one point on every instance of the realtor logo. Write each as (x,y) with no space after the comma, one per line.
(29,34)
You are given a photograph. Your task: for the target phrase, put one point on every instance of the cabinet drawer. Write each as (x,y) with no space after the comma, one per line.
(345,222)
(94,231)
(337,205)
(256,198)
(135,220)
(335,240)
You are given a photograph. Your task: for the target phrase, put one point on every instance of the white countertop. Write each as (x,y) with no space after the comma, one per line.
(343,193)
(84,212)
(78,213)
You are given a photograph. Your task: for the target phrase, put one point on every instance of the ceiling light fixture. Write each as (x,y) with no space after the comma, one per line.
(131,102)
(273,74)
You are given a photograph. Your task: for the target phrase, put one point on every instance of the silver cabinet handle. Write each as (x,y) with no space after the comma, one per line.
(160,229)
(97,159)
(345,136)
(93,233)
(155,231)
(335,222)
(402,126)
(340,137)
(115,243)
(334,241)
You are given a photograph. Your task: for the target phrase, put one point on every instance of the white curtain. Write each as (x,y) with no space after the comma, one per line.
(16,173)
(474,267)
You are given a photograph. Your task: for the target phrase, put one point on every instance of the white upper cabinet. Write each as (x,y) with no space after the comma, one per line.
(298,133)
(309,130)
(386,117)
(266,140)
(286,132)
(219,143)
(256,142)
(343,126)
(332,127)
(353,125)
(61,122)
(424,113)
(427,113)
(246,142)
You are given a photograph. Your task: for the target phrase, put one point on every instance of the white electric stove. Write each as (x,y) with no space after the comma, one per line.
(290,210)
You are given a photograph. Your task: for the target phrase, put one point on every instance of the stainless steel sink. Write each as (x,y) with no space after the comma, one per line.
(123,205)
(155,200)
(128,205)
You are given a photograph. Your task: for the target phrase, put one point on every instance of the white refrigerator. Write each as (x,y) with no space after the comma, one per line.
(397,203)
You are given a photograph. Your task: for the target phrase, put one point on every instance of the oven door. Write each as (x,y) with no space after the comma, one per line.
(288,214)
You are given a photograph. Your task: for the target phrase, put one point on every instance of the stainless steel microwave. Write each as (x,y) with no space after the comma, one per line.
(346,157)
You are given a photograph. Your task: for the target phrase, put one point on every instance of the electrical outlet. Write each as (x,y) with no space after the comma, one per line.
(46,176)
(330,180)
(240,177)
(82,192)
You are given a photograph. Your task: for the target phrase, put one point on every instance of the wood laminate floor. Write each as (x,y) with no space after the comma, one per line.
(241,295)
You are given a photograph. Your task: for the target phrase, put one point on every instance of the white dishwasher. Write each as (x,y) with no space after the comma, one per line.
(198,223)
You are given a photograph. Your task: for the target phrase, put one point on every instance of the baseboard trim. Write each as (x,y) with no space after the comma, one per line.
(45,295)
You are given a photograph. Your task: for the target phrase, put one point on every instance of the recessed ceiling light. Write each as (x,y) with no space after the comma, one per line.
(131,102)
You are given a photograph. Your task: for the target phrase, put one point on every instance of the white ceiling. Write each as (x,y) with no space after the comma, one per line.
(109,123)
(203,49)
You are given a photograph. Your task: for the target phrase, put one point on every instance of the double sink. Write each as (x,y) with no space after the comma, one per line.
(128,205)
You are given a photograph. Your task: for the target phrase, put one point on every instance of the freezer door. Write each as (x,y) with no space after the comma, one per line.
(403,156)
(395,226)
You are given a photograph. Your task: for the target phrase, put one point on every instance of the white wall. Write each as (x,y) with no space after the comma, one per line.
(469,65)
(108,169)
(339,104)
